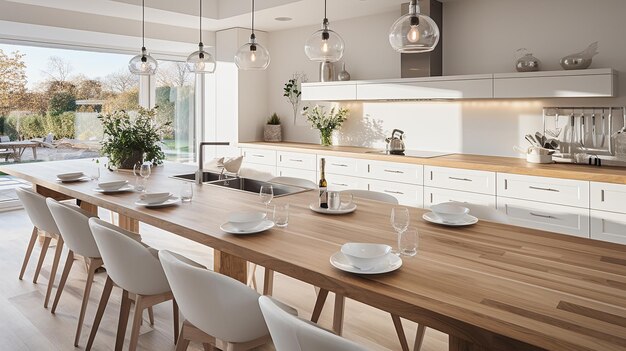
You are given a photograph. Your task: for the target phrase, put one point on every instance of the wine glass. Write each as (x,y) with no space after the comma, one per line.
(267,194)
(400,221)
(139,186)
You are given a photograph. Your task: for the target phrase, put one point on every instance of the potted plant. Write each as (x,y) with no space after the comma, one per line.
(273,130)
(326,123)
(131,139)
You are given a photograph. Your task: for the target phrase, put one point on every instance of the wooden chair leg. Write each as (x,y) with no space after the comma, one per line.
(123,321)
(150,316)
(176,320)
(134,333)
(397,323)
(319,305)
(340,302)
(106,293)
(53,270)
(419,337)
(252,277)
(268,282)
(69,262)
(92,265)
(42,256)
(29,251)
(183,342)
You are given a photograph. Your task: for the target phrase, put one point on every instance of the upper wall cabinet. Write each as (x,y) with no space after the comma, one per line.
(530,85)
(555,84)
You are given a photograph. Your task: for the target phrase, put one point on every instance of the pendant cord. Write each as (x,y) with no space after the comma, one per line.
(253,17)
(143,23)
(200,21)
(325,4)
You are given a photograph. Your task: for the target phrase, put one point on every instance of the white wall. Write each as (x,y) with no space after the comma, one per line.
(480,36)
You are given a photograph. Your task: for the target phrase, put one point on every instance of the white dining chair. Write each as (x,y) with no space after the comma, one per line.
(43,222)
(485,213)
(299,182)
(372,195)
(291,333)
(74,228)
(134,267)
(218,309)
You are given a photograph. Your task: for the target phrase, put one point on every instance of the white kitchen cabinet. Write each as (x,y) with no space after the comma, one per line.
(543,216)
(555,84)
(433,196)
(608,226)
(482,182)
(337,182)
(259,156)
(396,172)
(544,189)
(331,91)
(297,173)
(407,194)
(608,197)
(267,169)
(345,166)
(446,87)
(297,160)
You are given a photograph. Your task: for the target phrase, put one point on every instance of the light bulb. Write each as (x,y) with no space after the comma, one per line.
(144,66)
(200,66)
(413,35)
(252,56)
(325,46)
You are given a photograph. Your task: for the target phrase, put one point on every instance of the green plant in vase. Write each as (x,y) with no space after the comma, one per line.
(293,91)
(128,138)
(325,122)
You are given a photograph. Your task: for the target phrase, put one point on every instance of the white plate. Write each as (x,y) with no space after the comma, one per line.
(171,201)
(316,208)
(339,261)
(231,229)
(127,187)
(467,220)
(81,179)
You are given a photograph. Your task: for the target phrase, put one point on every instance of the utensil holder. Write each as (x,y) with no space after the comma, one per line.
(533,158)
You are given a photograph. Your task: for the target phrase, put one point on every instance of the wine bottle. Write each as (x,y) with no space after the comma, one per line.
(323,185)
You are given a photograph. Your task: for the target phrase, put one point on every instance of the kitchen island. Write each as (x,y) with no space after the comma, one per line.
(489,286)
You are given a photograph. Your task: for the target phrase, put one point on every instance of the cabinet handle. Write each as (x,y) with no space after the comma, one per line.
(341,184)
(392,171)
(295,160)
(461,179)
(431,175)
(258,156)
(602,195)
(542,216)
(394,192)
(544,189)
(339,164)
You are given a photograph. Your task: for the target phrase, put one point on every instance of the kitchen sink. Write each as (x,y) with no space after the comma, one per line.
(254,186)
(206,177)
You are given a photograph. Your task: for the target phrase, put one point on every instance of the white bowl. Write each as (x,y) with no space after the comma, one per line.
(70,176)
(449,212)
(112,185)
(365,256)
(246,220)
(155,198)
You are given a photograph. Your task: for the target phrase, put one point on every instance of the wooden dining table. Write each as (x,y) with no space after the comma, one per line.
(489,286)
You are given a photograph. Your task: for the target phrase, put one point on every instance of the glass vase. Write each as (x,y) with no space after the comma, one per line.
(326,137)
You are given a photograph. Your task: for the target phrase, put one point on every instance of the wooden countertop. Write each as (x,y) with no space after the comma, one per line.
(475,162)
(498,286)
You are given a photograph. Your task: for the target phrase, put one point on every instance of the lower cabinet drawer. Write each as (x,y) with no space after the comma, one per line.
(396,172)
(259,156)
(608,197)
(608,226)
(551,190)
(407,194)
(548,217)
(297,160)
(340,182)
(297,173)
(344,165)
(482,182)
(433,196)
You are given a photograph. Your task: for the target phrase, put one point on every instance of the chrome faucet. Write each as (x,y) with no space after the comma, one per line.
(200,172)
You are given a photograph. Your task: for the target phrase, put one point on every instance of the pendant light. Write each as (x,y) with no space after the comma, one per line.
(414,32)
(201,62)
(143,64)
(252,56)
(324,45)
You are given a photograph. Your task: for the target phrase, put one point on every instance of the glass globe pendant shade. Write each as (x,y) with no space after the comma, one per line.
(143,64)
(324,45)
(200,61)
(414,32)
(252,56)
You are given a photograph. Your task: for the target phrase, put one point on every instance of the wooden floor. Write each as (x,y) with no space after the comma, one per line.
(26,325)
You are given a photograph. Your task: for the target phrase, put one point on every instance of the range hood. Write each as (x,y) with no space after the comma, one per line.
(430,63)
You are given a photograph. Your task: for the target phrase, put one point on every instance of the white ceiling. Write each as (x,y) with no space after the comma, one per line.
(223,14)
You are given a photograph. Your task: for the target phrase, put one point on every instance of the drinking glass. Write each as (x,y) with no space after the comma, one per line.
(408,242)
(139,184)
(94,173)
(400,220)
(144,171)
(281,215)
(267,194)
(334,200)
(346,200)
(186,192)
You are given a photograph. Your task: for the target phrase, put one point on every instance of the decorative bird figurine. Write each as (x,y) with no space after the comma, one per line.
(580,60)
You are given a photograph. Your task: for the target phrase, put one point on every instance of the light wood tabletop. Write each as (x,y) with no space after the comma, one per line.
(490,286)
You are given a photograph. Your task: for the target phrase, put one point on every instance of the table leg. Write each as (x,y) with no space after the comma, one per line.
(128,223)
(89,207)
(230,265)
(457,344)
(35,153)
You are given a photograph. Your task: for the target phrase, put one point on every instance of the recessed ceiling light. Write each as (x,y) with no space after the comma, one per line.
(283,19)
